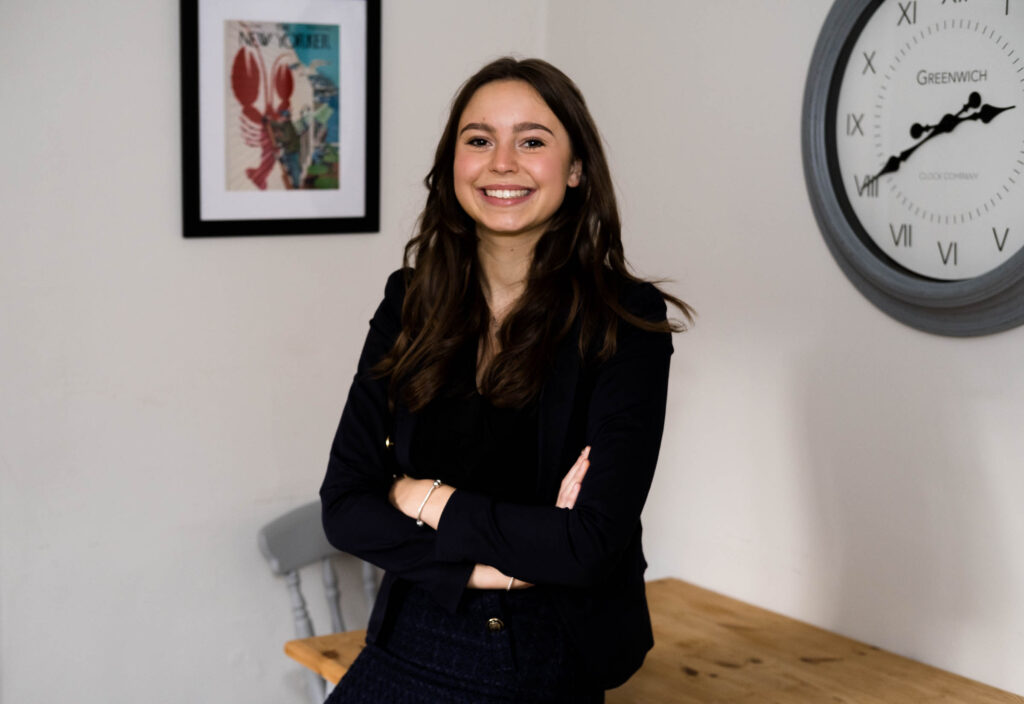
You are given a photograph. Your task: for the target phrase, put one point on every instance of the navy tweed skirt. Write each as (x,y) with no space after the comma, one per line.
(498,648)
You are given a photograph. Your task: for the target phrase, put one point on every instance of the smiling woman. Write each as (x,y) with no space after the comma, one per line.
(501,434)
(513,162)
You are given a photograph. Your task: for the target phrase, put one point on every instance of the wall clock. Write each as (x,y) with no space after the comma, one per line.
(913,148)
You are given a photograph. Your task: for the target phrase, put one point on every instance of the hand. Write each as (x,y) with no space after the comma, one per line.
(406,494)
(573,480)
(487,577)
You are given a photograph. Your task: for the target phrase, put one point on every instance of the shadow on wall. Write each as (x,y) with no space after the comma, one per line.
(904,521)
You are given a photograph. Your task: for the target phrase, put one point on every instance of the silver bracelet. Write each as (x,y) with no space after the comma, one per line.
(509,587)
(419,513)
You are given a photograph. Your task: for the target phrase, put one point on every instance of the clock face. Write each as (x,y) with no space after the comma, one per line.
(929,133)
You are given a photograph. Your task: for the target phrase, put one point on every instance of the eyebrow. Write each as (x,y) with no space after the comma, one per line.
(518,127)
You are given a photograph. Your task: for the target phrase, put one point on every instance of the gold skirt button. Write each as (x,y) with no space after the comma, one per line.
(495,624)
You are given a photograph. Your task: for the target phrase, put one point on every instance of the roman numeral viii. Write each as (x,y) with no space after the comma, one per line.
(868,187)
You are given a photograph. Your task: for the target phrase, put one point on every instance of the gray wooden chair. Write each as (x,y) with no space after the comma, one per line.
(293,541)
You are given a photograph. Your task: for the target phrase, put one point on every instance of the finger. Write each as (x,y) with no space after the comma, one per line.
(576,465)
(565,493)
(579,471)
(573,476)
(574,492)
(582,472)
(568,478)
(574,489)
(563,497)
(569,499)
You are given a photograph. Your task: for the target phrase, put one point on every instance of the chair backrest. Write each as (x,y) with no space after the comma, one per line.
(293,541)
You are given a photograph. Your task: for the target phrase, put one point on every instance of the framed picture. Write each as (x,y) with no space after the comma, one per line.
(280,116)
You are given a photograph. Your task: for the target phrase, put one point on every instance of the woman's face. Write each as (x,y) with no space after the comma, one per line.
(513,161)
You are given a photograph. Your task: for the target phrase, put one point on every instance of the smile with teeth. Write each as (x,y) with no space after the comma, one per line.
(506,193)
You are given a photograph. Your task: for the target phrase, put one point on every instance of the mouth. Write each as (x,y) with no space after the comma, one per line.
(506,193)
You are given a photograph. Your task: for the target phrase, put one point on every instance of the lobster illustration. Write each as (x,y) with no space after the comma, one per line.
(259,129)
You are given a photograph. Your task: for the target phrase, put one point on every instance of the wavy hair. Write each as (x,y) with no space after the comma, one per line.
(577,273)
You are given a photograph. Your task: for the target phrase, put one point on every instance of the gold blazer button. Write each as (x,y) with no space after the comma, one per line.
(495,624)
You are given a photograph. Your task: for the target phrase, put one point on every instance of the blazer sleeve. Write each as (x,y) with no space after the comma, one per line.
(357,516)
(624,422)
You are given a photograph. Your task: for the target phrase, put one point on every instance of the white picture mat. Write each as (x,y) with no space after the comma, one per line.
(215,201)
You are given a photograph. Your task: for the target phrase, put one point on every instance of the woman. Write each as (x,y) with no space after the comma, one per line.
(501,433)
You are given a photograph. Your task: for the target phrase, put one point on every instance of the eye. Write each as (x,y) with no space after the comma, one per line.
(533,143)
(476,142)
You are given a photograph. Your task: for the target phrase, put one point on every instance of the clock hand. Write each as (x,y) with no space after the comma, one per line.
(947,124)
(893,164)
(988,113)
(973,101)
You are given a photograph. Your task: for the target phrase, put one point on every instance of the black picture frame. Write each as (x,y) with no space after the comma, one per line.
(209,207)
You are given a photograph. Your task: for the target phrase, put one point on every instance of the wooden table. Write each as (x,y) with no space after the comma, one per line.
(710,648)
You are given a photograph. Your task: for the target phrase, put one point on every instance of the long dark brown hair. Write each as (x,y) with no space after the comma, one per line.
(577,272)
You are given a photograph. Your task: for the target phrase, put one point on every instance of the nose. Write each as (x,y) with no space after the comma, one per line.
(503,158)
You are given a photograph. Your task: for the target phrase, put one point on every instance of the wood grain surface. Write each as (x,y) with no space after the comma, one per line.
(713,649)
(710,648)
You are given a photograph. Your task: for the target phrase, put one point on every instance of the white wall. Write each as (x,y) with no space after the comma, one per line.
(163,398)
(821,459)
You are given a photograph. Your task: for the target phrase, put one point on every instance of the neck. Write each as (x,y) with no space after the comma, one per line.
(504,266)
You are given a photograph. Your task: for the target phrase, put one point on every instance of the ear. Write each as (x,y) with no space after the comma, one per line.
(575,172)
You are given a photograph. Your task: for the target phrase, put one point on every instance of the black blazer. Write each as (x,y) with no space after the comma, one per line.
(590,557)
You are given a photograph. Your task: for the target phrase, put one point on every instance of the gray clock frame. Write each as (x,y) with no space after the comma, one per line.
(989,303)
